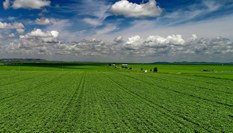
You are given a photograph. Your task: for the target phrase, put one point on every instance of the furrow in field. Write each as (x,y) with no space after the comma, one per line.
(203,79)
(19,88)
(92,118)
(29,86)
(69,117)
(121,120)
(131,117)
(78,106)
(8,75)
(212,77)
(161,109)
(31,111)
(113,102)
(87,113)
(204,93)
(153,120)
(18,79)
(195,92)
(216,113)
(222,87)
(165,111)
(116,119)
(93,110)
(61,95)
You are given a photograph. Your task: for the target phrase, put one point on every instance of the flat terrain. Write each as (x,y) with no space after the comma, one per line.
(102,98)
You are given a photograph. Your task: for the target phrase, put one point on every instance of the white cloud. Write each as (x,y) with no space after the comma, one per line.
(18,26)
(40,33)
(135,48)
(128,9)
(34,43)
(134,41)
(11,25)
(31,4)
(93,22)
(156,40)
(55,34)
(43,21)
(6,4)
(137,42)
(175,39)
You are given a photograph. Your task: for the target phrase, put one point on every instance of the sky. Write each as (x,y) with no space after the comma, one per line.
(117,30)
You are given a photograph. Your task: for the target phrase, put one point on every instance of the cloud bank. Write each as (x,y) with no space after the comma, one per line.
(141,49)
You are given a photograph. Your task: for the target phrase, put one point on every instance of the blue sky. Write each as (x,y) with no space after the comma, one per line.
(131,30)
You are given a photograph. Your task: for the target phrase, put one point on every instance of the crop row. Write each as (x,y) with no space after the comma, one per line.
(33,109)
(183,101)
(113,102)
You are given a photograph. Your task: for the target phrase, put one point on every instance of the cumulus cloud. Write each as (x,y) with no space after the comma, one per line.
(33,43)
(154,41)
(55,34)
(38,36)
(30,4)
(11,25)
(40,33)
(128,9)
(18,26)
(134,42)
(43,21)
(154,47)
(6,4)
(175,39)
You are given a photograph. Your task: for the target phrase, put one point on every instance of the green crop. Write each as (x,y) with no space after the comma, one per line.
(101,98)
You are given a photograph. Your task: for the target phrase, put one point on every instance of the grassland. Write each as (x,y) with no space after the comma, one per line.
(102,98)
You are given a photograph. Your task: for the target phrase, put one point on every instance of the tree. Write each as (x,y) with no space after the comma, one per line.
(155,70)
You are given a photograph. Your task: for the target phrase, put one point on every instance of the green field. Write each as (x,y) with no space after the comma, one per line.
(102,98)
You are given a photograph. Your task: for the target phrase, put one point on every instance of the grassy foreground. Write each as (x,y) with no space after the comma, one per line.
(102,98)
